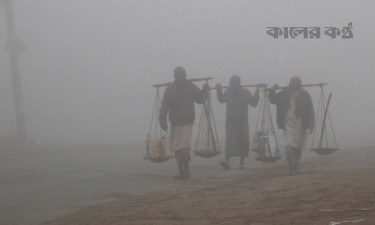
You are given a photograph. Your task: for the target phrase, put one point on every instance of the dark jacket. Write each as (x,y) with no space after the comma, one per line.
(306,110)
(178,101)
(237,104)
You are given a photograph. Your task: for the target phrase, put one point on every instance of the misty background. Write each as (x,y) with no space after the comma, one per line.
(89,64)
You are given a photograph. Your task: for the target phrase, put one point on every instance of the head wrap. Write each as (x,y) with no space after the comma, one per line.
(179,70)
(294,79)
(235,82)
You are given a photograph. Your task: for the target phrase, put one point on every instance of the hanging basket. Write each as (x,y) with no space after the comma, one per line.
(207,145)
(266,149)
(158,159)
(323,133)
(265,141)
(156,150)
(156,141)
(324,151)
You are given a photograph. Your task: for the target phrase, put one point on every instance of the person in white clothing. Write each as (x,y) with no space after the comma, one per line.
(295,116)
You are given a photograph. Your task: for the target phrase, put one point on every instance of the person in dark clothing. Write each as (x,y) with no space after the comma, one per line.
(237,99)
(178,101)
(295,116)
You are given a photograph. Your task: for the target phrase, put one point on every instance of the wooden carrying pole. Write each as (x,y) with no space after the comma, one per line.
(247,85)
(324,122)
(304,85)
(191,80)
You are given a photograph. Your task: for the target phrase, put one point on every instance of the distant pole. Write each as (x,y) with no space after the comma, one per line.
(15,47)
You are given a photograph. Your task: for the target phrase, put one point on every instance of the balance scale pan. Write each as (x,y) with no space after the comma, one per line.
(158,159)
(206,154)
(324,151)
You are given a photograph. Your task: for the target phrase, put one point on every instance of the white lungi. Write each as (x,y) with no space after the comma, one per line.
(293,135)
(180,137)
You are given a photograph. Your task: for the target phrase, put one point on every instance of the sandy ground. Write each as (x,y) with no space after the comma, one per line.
(335,188)
(42,183)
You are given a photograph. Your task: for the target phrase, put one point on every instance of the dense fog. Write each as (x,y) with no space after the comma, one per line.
(89,64)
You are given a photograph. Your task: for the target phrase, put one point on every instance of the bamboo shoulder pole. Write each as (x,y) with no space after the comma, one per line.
(191,80)
(248,85)
(305,85)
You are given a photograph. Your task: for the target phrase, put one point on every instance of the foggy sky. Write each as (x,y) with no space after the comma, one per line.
(89,66)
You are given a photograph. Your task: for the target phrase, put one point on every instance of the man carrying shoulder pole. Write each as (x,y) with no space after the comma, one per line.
(178,102)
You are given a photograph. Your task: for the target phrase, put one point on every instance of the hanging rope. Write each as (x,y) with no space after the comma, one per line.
(262,138)
(272,125)
(323,110)
(156,143)
(213,119)
(317,115)
(156,100)
(333,132)
(206,144)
